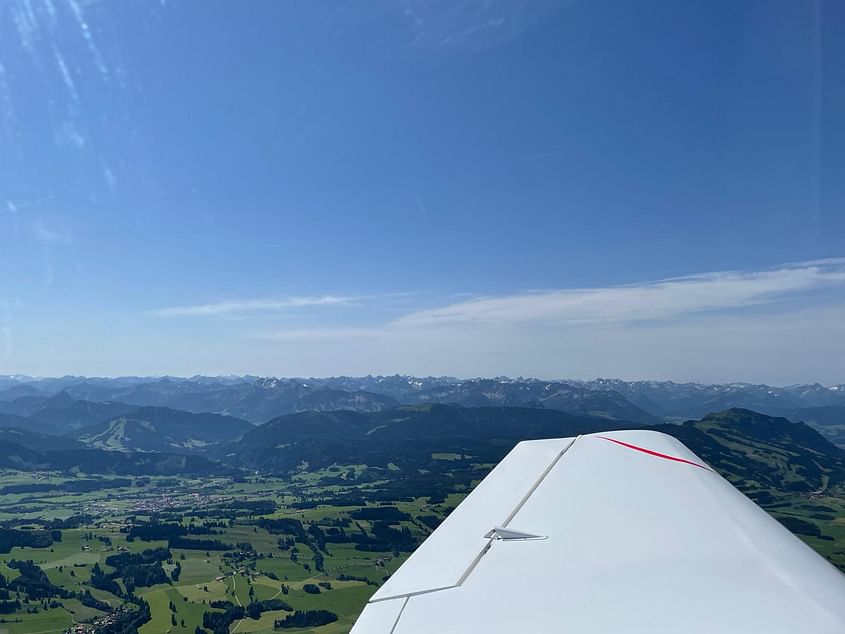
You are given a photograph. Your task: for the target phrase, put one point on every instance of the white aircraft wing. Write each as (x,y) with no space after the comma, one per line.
(619,532)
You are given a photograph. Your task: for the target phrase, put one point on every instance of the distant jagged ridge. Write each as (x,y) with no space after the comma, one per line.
(261,399)
(73,402)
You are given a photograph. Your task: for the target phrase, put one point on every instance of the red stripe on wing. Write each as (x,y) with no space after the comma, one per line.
(656,453)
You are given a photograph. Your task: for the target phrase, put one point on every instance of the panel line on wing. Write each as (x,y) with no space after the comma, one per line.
(399,616)
(537,483)
(408,595)
(490,537)
(474,563)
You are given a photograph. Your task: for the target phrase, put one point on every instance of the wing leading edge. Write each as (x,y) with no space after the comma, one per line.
(607,533)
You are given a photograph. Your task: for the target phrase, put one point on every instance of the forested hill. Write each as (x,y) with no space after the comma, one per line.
(162,429)
(405,436)
(22,450)
(750,448)
(744,446)
(759,451)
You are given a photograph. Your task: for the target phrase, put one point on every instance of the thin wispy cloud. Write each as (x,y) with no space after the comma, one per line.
(7,110)
(729,325)
(65,74)
(85,31)
(45,37)
(253,306)
(323,334)
(677,299)
(51,235)
(652,300)
(473,25)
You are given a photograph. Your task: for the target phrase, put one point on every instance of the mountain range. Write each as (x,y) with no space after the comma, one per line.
(64,404)
(420,445)
(213,424)
(401,438)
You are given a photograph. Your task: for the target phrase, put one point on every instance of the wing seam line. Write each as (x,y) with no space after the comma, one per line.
(516,510)
(537,483)
(399,616)
(487,546)
(408,595)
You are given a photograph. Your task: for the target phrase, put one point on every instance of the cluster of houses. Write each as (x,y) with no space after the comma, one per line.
(105,548)
(98,624)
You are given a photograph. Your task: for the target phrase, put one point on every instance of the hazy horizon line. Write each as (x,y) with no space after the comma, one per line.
(28,377)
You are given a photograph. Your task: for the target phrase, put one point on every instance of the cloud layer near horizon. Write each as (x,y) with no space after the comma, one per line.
(252,306)
(651,300)
(781,290)
(779,326)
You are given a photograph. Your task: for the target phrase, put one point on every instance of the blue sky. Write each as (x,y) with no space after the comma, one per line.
(432,187)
